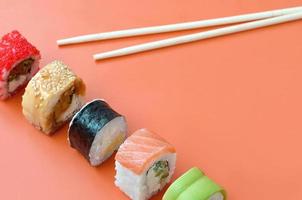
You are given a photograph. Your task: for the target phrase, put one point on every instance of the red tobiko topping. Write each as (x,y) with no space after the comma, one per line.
(15,48)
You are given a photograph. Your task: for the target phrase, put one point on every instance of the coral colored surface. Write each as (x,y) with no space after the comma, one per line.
(230,105)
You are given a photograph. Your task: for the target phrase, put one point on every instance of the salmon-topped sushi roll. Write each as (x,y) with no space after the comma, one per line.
(144,164)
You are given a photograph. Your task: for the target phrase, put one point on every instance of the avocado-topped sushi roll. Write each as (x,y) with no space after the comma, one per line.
(96,131)
(144,164)
(19,61)
(194,185)
(52,97)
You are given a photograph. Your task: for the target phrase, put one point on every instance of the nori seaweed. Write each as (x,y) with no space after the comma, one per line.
(87,123)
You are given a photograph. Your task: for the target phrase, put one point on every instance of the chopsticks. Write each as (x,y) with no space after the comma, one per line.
(178,27)
(266,18)
(198,36)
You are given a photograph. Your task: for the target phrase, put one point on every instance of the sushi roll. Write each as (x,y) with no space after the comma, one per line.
(52,97)
(144,164)
(96,131)
(194,185)
(19,61)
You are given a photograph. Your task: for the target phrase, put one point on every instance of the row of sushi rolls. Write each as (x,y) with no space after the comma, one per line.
(144,162)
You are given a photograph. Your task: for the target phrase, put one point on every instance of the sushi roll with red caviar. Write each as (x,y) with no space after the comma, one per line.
(96,131)
(52,97)
(19,61)
(144,164)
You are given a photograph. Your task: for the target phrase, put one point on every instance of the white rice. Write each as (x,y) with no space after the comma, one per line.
(217,196)
(115,128)
(143,186)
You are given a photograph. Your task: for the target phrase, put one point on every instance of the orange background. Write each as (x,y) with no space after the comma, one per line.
(230,105)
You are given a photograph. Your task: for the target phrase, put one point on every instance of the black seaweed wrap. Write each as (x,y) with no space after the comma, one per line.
(87,123)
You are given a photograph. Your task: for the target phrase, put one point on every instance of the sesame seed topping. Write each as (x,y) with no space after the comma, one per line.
(51,79)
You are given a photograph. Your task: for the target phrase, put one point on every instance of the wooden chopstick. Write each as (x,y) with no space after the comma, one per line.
(199,36)
(179,26)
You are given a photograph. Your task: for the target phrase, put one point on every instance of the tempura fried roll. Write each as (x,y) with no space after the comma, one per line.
(52,97)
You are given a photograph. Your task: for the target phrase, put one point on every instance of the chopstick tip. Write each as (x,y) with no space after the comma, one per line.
(60,42)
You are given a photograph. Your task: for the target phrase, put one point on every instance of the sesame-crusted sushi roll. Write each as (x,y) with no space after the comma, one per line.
(52,97)
(194,185)
(19,61)
(96,131)
(144,164)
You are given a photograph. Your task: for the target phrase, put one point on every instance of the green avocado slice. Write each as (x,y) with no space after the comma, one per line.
(182,183)
(193,185)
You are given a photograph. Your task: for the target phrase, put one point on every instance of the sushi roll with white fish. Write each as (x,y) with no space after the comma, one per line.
(144,164)
(52,97)
(96,131)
